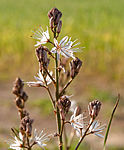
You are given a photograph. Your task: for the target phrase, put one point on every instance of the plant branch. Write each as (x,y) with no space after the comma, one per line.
(65,87)
(49,75)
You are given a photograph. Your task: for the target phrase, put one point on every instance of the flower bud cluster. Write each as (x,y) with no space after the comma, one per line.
(54,16)
(94,108)
(21,98)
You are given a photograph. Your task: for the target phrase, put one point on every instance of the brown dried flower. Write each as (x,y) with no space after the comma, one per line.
(64,104)
(75,67)
(94,108)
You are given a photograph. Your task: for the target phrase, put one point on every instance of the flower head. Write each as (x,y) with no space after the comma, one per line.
(42,36)
(40,139)
(17,144)
(65,47)
(40,80)
(96,128)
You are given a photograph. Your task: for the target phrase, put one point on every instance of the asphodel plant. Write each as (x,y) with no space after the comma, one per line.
(66,67)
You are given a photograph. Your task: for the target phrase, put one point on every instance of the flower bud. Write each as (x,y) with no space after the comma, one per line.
(56,14)
(64,104)
(18,86)
(19,103)
(24,96)
(75,67)
(94,108)
(41,54)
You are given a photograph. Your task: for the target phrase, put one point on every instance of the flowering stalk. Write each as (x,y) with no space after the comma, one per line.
(57,96)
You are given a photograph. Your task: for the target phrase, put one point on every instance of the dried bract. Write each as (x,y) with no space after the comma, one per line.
(75,66)
(94,108)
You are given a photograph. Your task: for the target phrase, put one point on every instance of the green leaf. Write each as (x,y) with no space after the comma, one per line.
(110,121)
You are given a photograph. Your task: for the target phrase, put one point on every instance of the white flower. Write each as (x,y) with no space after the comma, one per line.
(40,80)
(40,139)
(17,143)
(96,129)
(77,121)
(65,47)
(42,36)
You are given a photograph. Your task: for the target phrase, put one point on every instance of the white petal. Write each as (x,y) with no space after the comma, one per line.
(63,41)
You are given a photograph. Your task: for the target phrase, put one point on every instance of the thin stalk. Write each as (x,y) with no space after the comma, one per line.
(62,128)
(29,147)
(48,90)
(57,98)
(52,100)
(65,87)
(85,133)
(49,75)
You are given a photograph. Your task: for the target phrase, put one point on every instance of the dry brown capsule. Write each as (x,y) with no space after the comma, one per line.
(75,67)
(94,108)
(64,104)
(18,86)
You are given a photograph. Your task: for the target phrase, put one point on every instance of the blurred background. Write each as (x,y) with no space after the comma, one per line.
(99,26)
